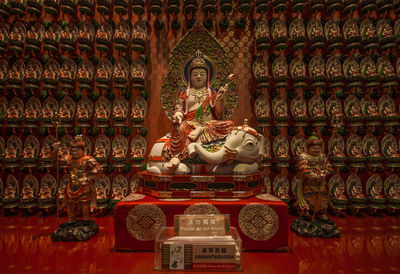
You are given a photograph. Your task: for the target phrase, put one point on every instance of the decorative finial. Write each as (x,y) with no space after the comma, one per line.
(246,122)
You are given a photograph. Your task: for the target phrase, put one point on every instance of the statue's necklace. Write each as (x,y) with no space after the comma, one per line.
(199,94)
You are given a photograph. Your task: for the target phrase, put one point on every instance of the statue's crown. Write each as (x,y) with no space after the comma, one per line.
(198,61)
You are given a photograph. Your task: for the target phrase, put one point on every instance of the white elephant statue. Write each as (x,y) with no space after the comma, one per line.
(240,154)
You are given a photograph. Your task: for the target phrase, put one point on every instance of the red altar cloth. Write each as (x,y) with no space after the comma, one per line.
(262,220)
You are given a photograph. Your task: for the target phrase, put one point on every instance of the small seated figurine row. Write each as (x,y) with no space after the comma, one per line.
(349,194)
(32,150)
(14,37)
(318,109)
(352,149)
(322,71)
(378,195)
(17,113)
(353,32)
(33,196)
(18,75)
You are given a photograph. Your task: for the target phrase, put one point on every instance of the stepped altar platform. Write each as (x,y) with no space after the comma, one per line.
(201,185)
(261,220)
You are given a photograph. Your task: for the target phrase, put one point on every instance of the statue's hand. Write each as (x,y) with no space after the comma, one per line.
(93,207)
(303,205)
(177,118)
(223,89)
(221,93)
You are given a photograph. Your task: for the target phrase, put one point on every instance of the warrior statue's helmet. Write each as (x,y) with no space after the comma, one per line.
(314,140)
(78,142)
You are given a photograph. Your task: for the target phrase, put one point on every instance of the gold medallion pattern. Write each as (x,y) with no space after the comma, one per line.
(268,197)
(144,221)
(174,199)
(225,199)
(133,197)
(201,208)
(258,221)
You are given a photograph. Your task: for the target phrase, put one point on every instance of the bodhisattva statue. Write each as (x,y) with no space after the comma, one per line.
(198,119)
(199,113)
(313,194)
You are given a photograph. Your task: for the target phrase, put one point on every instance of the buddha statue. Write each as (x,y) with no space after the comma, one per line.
(100,192)
(10,191)
(27,192)
(45,192)
(100,151)
(29,151)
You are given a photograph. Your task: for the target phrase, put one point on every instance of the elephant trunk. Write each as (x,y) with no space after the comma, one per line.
(209,157)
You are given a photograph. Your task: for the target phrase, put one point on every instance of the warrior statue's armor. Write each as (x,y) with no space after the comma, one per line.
(82,173)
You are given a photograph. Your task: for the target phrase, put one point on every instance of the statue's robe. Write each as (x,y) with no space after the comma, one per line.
(80,189)
(213,129)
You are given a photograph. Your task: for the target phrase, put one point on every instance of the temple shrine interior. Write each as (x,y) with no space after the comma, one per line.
(274,124)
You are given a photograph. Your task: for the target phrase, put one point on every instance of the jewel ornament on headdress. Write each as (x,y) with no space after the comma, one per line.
(198,61)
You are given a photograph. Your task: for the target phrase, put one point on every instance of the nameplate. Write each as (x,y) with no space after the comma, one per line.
(214,257)
(202,225)
(179,256)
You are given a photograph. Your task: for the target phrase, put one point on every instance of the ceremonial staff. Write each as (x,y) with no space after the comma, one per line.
(336,122)
(56,122)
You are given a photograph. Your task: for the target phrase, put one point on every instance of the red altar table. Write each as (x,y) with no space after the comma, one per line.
(261,220)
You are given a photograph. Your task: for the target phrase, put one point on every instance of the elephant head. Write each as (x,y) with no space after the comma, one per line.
(244,144)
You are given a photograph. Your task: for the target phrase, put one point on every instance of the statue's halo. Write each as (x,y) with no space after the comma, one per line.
(197,38)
